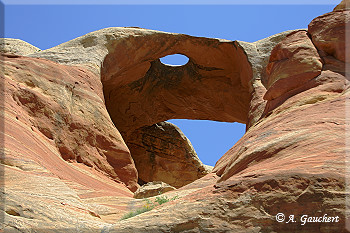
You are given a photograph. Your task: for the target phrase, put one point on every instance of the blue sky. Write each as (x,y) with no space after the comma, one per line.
(45,25)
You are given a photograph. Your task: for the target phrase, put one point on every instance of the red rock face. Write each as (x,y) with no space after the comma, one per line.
(296,129)
(344,5)
(62,107)
(292,160)
(300,142)
(293,62)
(141,91)
(328,33)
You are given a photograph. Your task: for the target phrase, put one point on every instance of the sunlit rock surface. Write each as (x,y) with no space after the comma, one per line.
(70,113)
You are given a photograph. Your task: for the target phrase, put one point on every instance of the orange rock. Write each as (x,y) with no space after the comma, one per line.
(67,165)
(161,152)
(293,62)
(141,91)
(282,135)
(344,5)
(64,108)
(328,33)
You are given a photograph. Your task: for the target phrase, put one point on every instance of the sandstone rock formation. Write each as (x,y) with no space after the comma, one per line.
(292,160)
(258,54)
(16,46)
(67,166)
(127,59)
(213,63)
(161,152)
(141,91)
(329,35)
(153,188)
(343,5)
(62,108)
(293,62)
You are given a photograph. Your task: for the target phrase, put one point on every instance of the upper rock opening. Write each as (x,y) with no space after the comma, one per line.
(174,60)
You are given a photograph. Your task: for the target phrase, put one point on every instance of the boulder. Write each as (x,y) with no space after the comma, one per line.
(161,152)
(153,188)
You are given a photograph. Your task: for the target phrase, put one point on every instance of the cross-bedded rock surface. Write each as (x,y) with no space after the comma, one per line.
(80,119)
(163,153)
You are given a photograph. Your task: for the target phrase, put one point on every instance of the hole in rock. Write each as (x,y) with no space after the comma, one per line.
(174,60)
(210,139)
(12,212)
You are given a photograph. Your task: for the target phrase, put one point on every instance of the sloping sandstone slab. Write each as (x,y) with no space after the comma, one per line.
(63,107)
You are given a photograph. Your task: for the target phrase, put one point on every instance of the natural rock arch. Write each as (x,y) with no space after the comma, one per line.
(293,160)
(140,91)
(221,82)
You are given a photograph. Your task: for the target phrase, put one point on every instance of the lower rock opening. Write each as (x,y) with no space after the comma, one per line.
(180,151)
(210,139)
